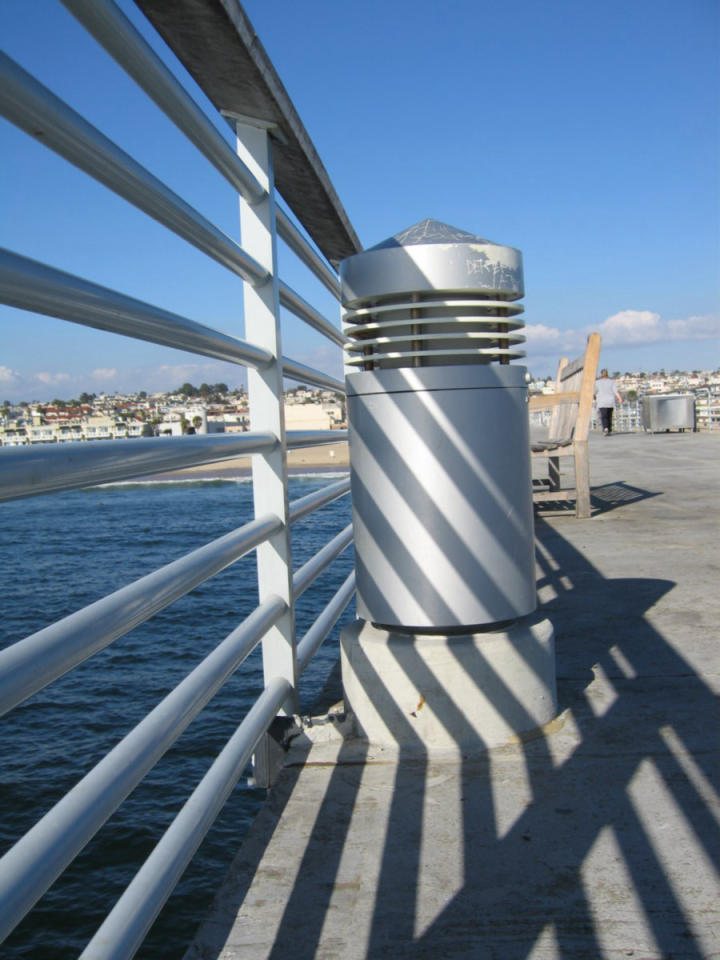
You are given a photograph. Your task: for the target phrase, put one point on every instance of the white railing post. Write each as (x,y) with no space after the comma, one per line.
(265,392)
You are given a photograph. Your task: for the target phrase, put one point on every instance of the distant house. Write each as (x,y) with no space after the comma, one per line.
(312,416)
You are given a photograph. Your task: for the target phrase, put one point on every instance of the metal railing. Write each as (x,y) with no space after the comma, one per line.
(628,417)
(29,868)
(707,411)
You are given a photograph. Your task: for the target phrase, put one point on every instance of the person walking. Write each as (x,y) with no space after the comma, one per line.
(605,395)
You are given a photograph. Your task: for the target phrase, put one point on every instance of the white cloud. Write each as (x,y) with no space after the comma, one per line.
(104,373)
(628,328)
(8,376)
(171,376)
(543,341)
(182,369)
(695,328)
(632,326)
(50,378)
(538,335)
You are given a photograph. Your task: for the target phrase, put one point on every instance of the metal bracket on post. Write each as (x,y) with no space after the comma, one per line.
(271,749)
(265,391)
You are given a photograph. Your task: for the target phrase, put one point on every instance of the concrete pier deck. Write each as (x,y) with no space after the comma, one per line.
(599,837)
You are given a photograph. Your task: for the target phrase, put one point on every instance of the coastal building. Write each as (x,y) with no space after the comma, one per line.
(312,416)
(120,418)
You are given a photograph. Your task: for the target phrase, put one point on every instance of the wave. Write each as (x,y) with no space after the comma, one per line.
(317,474)
(217,480)
(166,482)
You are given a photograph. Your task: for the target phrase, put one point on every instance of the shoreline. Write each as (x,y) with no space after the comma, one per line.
(322,459)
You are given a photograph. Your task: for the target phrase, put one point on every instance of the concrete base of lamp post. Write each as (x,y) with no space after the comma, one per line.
(461,693)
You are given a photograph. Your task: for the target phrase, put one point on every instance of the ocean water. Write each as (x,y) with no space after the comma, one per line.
(60,553)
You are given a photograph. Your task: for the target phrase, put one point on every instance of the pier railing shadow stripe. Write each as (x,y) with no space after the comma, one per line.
(577,801)
(661,907)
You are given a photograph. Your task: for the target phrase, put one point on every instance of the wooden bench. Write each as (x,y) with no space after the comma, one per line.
(570,413)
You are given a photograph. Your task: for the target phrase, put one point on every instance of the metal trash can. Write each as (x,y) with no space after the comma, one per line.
(670,411)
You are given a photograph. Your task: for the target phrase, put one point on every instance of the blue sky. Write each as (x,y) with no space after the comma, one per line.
(585,133)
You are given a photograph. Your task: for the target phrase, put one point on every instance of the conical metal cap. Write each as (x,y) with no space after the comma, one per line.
(429,231)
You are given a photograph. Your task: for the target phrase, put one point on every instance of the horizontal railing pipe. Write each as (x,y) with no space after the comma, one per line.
(32,663)
(293,302)
(31,285)
(32,107)
(313,501)
(49,468)
(41,855)
(46,850)
(44,468)
(317,633)
(288,232)
(302,374)
(128,922)
(310,571)
(112,29)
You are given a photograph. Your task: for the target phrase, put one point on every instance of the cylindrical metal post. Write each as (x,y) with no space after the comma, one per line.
(442,495)
(440,458)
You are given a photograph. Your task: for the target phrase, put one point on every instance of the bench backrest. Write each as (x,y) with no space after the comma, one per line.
(571,420)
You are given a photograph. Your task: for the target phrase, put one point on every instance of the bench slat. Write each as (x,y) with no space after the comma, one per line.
(571,408)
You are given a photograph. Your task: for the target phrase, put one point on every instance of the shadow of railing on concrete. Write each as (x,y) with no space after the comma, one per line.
(596,833)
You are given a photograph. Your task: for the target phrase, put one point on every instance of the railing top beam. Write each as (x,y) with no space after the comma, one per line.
(218,45)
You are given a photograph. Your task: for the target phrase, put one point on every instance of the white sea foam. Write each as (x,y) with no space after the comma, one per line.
(220,478)
(155,482)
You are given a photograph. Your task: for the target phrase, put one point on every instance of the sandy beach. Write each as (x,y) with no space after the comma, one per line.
(323,458)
